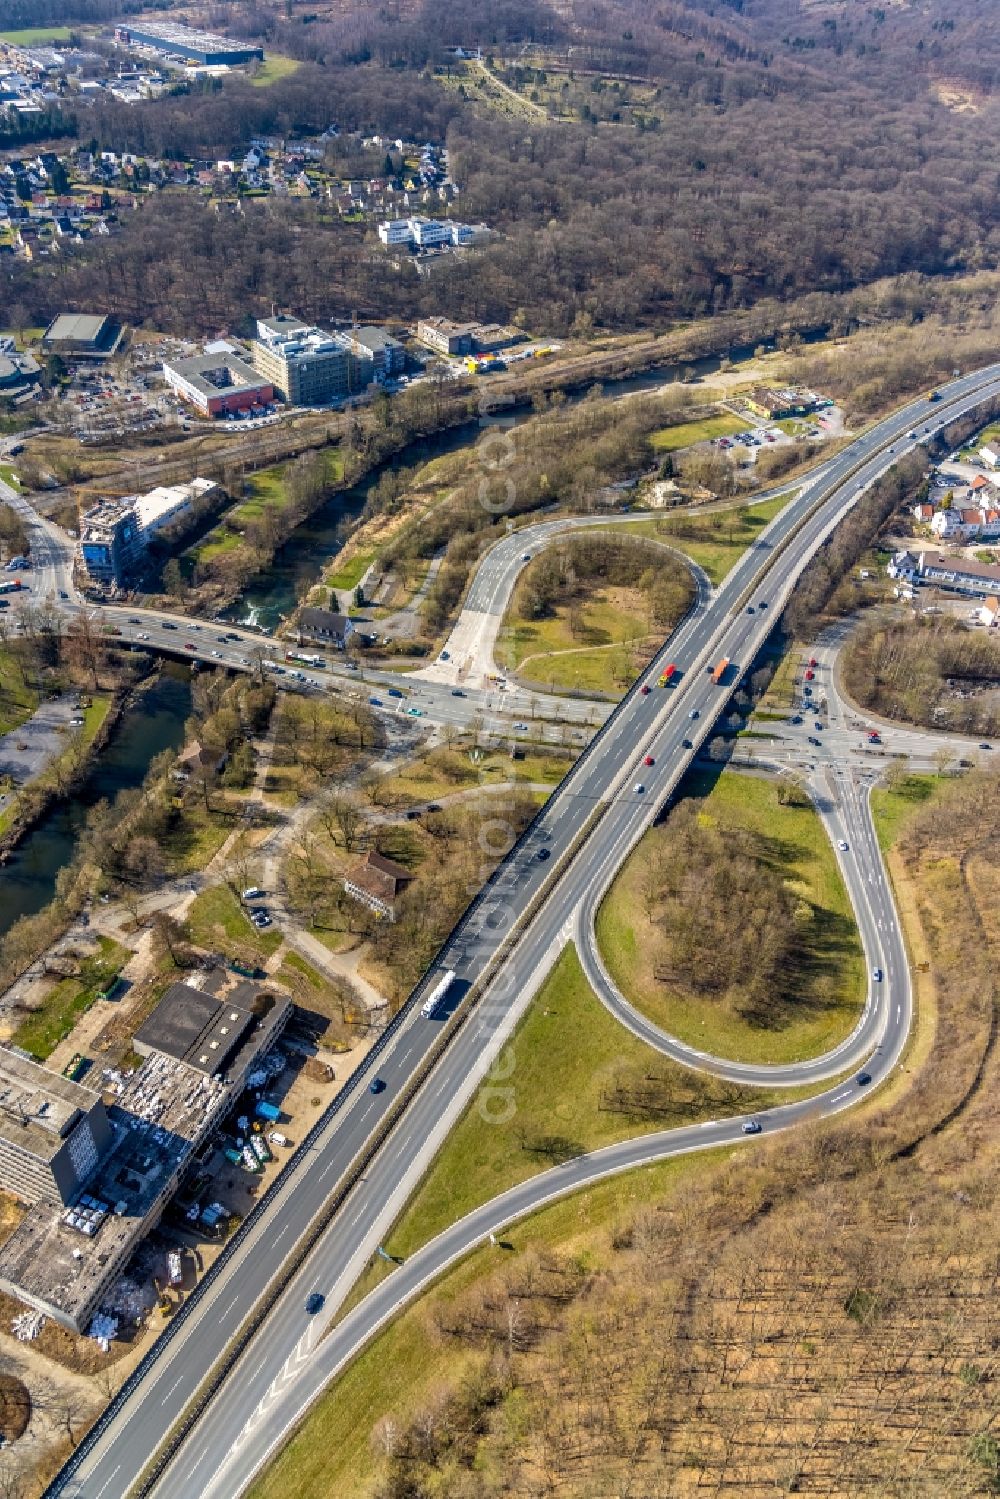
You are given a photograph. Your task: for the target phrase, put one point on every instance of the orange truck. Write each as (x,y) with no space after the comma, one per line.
(720,670)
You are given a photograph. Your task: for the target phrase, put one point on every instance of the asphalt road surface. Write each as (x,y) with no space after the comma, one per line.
(230,1440)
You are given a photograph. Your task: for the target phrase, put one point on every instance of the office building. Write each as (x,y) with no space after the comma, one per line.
(217,383)
(386,353)
(111,542)
(307,366)
(53,1132)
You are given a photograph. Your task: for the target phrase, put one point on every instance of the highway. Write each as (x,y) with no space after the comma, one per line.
(223,1448)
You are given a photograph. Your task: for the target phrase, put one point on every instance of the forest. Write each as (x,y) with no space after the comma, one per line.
(784,151)
(932,671)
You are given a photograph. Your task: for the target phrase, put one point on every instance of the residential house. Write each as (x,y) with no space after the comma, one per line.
(989,613)
(378,883)
(990,455)
(959,573)
(323,624)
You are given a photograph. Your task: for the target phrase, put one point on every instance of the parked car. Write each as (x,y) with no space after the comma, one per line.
(253,892)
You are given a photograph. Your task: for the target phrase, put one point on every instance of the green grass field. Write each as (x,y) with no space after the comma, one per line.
(892,808)
(424,779)
(17,702)
(350,574)
(798,846)
(267,492)
(217,921)
(569,1054)
(36,36)
(331,1452)
(273,67)
(40,1032)
(671,439)
(718,538)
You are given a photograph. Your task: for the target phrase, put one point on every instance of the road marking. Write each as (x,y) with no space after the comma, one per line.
(229,1308)
(110,1481)
(846,1094)
(172,1389)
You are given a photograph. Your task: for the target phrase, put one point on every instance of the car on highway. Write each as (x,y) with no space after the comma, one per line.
(687,744)
(169,625)
(648,760)
(76,723)
(986,746)
(911,435)
(864,1078)
(134,621)
(639,787)
(457,692)
(217,654)
(814,741)
(376,1085)
(809,674)
(750,609)
(693,713)
(762,604)
(222,638)
(142,636)
(522,726)
(395,692)
(315,1301)
(807,691)
(376,702)
(795,718)
(751,1126)
(644,689)
(189,645)
(817,725)
(877,975)
(842,845)
(415,712)
(525,556)
(543,854)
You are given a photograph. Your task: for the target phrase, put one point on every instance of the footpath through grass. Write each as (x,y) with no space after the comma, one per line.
(830,962)
(40,1032)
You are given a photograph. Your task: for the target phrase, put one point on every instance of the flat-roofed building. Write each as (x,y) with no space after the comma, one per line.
(386,353)
(217,383)
(445,336)
(53,1133)
(81,335)
(184,42)
(66,1252)
(111,542)
(307,366)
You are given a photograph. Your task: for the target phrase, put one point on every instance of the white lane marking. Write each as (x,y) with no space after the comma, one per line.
(172,1389)
(229,1308)
(846,1094)
(110,1481)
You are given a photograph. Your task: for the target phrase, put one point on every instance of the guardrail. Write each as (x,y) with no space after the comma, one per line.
(351,1084)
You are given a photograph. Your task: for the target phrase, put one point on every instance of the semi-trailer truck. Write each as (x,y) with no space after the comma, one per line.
(720,670)
(437,994)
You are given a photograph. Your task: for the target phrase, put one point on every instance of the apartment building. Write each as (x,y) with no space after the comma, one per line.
(307,366)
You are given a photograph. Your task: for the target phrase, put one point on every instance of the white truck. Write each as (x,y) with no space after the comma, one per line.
(437,994)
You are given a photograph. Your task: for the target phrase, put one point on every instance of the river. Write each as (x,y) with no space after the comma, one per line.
(154,722)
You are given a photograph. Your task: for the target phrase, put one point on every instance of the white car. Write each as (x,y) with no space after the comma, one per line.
(842,845)
(217,654)
(143,636)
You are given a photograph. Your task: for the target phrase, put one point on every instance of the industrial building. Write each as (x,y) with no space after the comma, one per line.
(73,1244)
(79,335)
(217,383)
(307,366)
(190,46)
